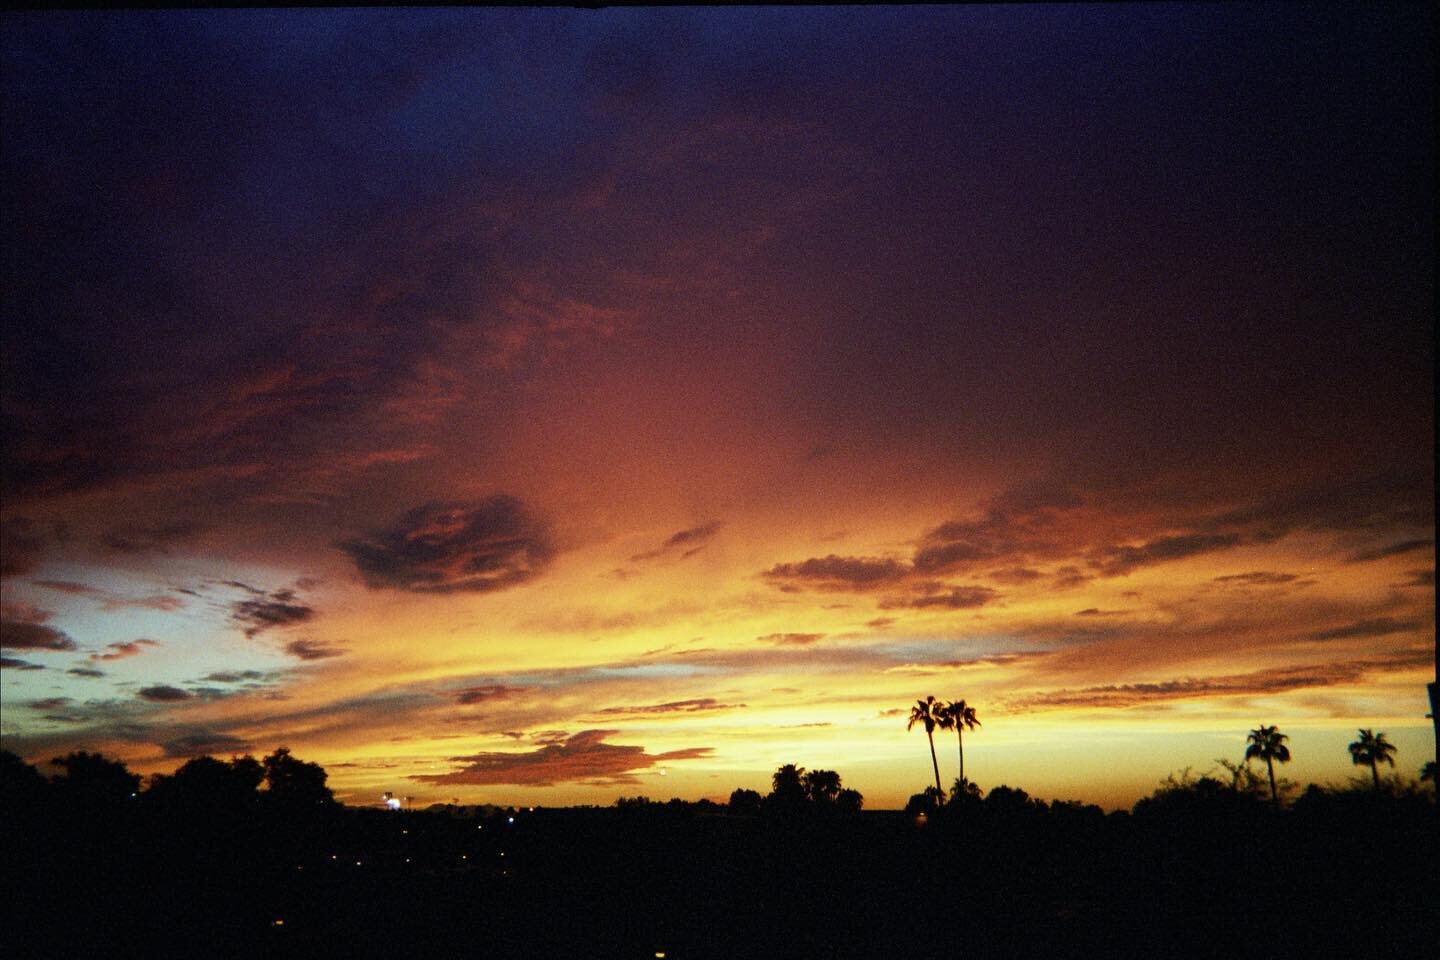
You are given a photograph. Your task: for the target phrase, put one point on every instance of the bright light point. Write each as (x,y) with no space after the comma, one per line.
(277,923)
(393,803)
(509,819)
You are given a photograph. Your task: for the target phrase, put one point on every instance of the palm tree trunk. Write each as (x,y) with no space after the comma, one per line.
(1375,774)
(960,735)
(1274,794)
(935,763)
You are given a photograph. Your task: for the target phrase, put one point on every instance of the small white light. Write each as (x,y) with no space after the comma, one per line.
(509,819)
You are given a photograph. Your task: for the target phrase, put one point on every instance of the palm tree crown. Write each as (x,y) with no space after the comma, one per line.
(1268,744)
(1372,749)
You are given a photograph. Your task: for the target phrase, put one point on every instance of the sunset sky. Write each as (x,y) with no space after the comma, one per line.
(540,406)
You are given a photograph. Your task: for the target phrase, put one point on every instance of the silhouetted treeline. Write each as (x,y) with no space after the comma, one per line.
(252,858)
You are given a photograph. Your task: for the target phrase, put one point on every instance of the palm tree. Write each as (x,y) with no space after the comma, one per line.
(959,714)
(1373,749)
(1268,744)
(929,712)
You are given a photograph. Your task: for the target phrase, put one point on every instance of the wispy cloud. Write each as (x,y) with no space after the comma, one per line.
(836,573)
(941,596)
(1370,627)
(1269,681)
(1257,578)
(1393,550)
(14,663)
(266,611)
(487,692)
(699,705)
(683,544)
(110,601)
(122,650)
(313,650)
(791,639)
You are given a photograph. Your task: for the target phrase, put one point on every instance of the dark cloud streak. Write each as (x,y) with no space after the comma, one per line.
(455,547)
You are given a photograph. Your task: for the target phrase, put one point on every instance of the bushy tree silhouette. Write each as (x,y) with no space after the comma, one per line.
(21,785)
(796,790)
(295,783)
(964,793)
(208,784)
(821,786)
(927,801)
(744,801)
(92,778)
(787,789)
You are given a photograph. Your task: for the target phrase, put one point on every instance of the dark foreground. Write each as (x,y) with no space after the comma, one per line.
(1344,875)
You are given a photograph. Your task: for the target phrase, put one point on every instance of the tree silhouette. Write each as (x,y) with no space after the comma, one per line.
(1372,749)
(929,712)
(963,791)
(1243,780)
(208,784)
(93,778)
(787,788)
(960,715)
(821,786)
(744,801)
(927,801)
(1268,744)
(292,782)
(21,785)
